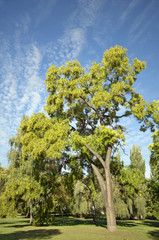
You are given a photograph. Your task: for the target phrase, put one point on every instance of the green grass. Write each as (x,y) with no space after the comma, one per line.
(78,229)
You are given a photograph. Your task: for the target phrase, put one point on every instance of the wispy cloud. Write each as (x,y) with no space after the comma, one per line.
(141,23)
(21,85)
(88,10)
(128,10)
(22,88)
(71,43)
(68,47)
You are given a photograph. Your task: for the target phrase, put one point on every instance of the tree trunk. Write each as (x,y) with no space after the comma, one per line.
(110,211)
(94,212)
(106,188)
(62,214)
(31,212)
(107,192)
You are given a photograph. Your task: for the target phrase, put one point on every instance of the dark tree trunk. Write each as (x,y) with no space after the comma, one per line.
(62,214)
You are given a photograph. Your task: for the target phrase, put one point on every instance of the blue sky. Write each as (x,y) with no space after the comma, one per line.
(36,33)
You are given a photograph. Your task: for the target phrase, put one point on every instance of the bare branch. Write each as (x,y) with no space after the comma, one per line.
(96,154)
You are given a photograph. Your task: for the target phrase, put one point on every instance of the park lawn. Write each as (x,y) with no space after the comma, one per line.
(77,229)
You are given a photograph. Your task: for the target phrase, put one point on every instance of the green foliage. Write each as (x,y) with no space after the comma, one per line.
(121,208)
(82,204)
(3,178)
(32,176)
(87,199)
(98,94)
(136,159)
(133,190)
(151,118)
(116,164)
(129,186)
(43,137)
(153,185)
(139,204)
(154,157)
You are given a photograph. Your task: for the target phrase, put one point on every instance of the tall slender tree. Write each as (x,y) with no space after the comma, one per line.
(137,160)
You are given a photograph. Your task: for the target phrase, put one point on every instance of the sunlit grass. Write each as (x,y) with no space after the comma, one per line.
(78,229)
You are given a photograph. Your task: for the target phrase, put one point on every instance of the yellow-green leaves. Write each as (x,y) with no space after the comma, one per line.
(102,137)
(90,98)
(138,106)
(115,57)
(107,86)
(43,136)
(138,65)
(154,157)
(153,110)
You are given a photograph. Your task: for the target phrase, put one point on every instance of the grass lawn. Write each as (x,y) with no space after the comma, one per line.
(77,229)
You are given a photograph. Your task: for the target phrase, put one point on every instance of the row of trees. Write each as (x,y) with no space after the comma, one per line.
(81,132)
(40,190)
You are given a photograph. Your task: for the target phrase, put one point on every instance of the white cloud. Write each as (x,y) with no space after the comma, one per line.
(21,85)
(68,47)
(71,43)
(34,103)
(88,11)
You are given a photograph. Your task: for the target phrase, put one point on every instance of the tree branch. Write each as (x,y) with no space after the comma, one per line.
(96,154)
(88,104)
(101,181)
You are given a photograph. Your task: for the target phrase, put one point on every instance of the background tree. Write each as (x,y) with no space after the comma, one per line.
(133,188)
(92,101)
(129,189)
(154,157)
(3,180)
(33,167)
(153,183)
(136,159)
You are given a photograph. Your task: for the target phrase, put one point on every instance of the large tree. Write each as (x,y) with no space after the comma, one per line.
(94,102)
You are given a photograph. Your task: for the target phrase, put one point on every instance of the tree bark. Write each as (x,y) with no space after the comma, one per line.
(110,211)
(31,212)
(62,214)
(107,191)
(101,182)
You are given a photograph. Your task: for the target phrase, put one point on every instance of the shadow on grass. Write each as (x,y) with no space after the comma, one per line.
(31,234)
(78,221)
(72,222)
(24,222)
(134,223)
(154,234)
(127,223)
(150,223)
(17,226)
